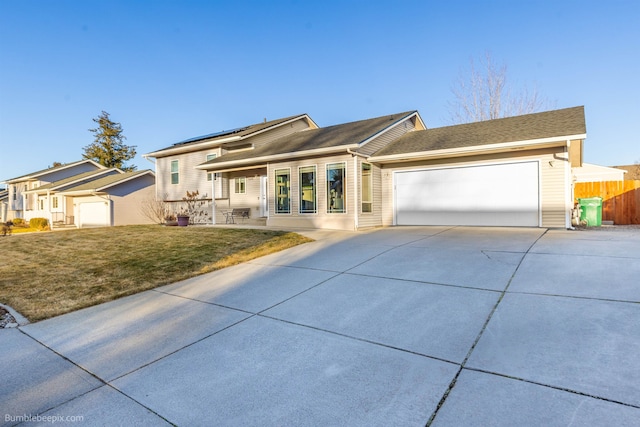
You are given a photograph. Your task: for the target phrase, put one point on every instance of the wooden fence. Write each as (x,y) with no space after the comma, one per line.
(620,199)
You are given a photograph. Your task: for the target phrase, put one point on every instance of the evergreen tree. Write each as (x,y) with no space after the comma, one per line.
(108,147)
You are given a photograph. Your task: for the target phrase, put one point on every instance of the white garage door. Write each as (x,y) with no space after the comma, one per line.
(491,195)
(94,214)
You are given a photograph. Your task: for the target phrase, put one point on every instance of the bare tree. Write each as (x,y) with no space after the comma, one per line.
(155,210)
(483,93)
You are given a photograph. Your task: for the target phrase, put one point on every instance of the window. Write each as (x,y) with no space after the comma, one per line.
(308,189)
(54,202)
(283,187)
(41,203)
(241,183)
(15,192)
(367,188)
(336,199)
(175,172)
(210,157)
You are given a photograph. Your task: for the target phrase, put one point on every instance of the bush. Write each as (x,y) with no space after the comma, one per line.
(18,222)
(39,223)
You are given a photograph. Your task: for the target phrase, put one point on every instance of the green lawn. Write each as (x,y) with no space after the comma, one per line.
(50,273)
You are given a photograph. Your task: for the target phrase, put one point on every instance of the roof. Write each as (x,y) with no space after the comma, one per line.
(589,172)
(238,133)
(102,184)
(337,137)
(72,179)
(549,124)
(632,171)
(34,175)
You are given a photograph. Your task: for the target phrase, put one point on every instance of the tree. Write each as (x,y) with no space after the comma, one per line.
(484,94)
(108,147)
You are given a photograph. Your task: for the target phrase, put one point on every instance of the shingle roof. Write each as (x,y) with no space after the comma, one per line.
(34,175)
(557,123)
(241,132)
(337,136)
(106,181)
(71,179)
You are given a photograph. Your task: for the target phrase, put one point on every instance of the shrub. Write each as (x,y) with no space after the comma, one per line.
(39,223)
(18,222)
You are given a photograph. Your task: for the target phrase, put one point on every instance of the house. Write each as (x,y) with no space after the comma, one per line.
(632,171)
(26,206)
(592,173)
(392,170)
(4,204)
(84,194)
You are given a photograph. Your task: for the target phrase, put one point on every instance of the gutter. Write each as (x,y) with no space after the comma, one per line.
(274,157)
(478,149)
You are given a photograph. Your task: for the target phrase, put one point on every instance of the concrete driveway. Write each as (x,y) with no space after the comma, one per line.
(444,326)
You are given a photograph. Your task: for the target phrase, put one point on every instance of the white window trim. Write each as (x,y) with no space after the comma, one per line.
(235,185)
(344,187)
(275,201)
(315,185)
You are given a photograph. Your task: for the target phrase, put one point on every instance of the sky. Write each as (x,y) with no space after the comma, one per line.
(172,70)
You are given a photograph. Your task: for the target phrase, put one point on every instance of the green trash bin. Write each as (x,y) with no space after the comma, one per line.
(591,211)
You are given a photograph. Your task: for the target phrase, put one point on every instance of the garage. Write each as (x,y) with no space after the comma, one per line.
(94,214)
(506,194)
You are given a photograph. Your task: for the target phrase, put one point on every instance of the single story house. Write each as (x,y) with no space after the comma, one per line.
(386,171)
(593,173)
(83,194)
(632,172)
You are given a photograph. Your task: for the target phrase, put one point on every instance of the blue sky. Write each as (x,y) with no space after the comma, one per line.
(171,70)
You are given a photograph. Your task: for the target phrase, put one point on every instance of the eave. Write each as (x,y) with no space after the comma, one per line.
(252,161)
(478,149)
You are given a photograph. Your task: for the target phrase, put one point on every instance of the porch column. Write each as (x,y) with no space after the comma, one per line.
(213,198)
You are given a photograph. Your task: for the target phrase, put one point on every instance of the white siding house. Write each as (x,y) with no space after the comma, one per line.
(385,171)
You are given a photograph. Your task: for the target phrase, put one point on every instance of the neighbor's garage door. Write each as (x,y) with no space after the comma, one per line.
(492,195)
(93,214)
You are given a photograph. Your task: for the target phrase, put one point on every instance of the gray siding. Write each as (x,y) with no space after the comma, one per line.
(127,200)
(387,137)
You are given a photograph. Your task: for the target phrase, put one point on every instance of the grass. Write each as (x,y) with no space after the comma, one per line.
(43,275)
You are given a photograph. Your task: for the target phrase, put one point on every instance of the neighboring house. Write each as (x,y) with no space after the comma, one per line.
(4,204)
(26,206)
(633,172)
(112,199)
(591,173)
(391,170)
(88,198)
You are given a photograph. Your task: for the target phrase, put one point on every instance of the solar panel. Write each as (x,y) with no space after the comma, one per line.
(212,135)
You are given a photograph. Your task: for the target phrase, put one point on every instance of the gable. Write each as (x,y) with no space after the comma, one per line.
(59,172)
(353,135)
(234,136)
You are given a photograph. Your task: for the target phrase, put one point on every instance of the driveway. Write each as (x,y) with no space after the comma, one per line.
(444,326)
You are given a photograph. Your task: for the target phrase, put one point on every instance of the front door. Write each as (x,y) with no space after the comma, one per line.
(264,204)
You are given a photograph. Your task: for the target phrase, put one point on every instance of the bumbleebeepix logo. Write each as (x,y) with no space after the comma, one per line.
(52,419)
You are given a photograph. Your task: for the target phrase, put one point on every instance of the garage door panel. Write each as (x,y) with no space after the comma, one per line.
(505,194)
(94,214)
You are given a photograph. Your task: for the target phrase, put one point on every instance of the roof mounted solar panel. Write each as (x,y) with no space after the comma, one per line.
(212,135)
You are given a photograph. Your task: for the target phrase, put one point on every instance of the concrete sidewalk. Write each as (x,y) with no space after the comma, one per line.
(444,326)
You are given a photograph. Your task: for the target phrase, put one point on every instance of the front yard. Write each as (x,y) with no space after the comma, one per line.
(50,273)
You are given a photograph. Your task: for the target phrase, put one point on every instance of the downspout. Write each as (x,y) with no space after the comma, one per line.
(569,181)
(356,211)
